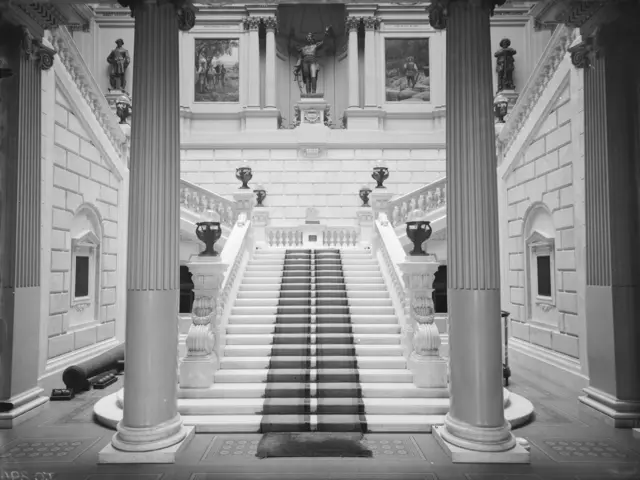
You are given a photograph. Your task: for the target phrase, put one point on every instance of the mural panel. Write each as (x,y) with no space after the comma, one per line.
(407,70)
(217,65)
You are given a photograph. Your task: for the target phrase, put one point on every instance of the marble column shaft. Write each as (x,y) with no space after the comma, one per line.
(254,62)
(20,229)
(270,68)
(354,77)
(611,95)
(476,418)
(370,76)
(150,386)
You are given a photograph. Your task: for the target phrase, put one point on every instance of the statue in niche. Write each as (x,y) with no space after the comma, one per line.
(119,60)
(505,65)
(307,65)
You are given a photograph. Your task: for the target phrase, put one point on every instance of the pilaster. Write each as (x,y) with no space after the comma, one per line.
(371,25)
(271,26)
(352,25)
(20,302)
(252,24)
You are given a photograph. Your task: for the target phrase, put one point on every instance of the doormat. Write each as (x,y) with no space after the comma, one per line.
(313,444)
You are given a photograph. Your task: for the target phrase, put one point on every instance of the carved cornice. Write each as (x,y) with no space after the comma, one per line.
(88,88)
(185,11)
(587,15)
(547,66)
(371,23)
(438,10)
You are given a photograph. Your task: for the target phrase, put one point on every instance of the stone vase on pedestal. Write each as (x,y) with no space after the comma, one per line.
(428,367)
(198,367)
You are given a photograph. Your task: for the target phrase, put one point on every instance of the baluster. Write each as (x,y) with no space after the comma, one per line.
(211,206)
(183,196)
(355,238)
(395,216)
(290,238)
(403,212)
(444,194)
(412,204)
(203,203)
(335,238)
(430,200)
(270,237)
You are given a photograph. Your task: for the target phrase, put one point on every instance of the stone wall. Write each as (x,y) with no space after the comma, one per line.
(330,184)
(549,176)
(81,177)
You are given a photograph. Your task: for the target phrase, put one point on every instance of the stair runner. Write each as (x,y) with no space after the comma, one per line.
(313,344)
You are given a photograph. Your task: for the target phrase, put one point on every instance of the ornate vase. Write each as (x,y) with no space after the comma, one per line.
(418,230)
(364,196)
(244,175)
(261,194)
(380,174)
(208,232)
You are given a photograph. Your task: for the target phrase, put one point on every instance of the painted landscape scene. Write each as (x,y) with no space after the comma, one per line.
(217,77)
(407,70)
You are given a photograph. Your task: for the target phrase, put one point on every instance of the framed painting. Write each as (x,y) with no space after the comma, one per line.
(217,67)
(407,70)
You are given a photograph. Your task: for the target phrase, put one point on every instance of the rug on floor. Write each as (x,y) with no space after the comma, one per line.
(312,444)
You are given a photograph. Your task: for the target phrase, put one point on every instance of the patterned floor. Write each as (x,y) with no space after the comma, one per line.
(568,442)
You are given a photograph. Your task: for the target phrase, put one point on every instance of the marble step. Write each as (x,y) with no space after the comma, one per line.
(294,309)
(251,423)
(271,318)
(367,390)
(273,280)
(371,375)
(275,294)
(357,329)
(275,302)
(318,266)
(263,350)
(281,252)
(255,406)
(317,274)
(376,362)
(320,338)
(351,287)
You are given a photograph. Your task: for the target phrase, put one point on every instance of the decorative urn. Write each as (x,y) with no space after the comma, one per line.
(364,196)
(380,174)
(500,107)
(418,230)
(261,194)
(209,232)
(243,173)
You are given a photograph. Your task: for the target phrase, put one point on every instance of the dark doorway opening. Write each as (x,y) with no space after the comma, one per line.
(186,290)
(439,295)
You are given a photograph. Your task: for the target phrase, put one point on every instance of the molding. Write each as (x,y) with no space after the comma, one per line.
(535,88)
(239,145)
(94,113)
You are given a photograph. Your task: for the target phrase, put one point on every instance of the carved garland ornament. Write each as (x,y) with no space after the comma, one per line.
(438,10)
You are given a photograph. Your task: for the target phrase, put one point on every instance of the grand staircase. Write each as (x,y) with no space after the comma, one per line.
(313,344)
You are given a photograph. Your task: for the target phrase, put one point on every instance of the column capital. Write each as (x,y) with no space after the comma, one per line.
(270,23)
(251,23)
(583,53)
(352,23)
(35,49)
(371,23)
(438,9)
(185,11)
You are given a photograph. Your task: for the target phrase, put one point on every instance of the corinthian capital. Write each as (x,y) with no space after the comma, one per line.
(352,23)
(438,9)
(252,23)
(270,23)
(371,23)
(185,11)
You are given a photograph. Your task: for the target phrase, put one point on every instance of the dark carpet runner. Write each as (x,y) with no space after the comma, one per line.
(313,300)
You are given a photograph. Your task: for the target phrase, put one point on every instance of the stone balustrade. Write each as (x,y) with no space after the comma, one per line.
(198,200)
(427,198)
(284,236)
(341,237)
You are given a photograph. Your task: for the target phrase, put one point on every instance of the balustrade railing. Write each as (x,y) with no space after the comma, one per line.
(198,200)
(341,237)
(293,236)
(284,236)
(427,198)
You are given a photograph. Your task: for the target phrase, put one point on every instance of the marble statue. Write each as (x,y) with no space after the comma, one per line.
(119,60)
(307,64)
(505,65)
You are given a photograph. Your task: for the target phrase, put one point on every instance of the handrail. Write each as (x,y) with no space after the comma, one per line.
(426,198)
(89,89)
(198,200)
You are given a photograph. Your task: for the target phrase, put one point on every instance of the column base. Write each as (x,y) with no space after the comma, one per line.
(614,412)
(516,454)
(428,372)
(111,455)
(198,372)
(23,407)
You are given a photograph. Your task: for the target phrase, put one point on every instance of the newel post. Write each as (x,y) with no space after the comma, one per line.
(198,367)
(428,367)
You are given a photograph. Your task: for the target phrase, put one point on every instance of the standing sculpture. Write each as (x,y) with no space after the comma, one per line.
(119,60)
(505,65)
(307,66)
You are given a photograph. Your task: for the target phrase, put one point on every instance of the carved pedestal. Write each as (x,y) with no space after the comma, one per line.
(201,362)
(245,200)
(365,221)
(311,112)
(380,198)
(259,222)
(428,367)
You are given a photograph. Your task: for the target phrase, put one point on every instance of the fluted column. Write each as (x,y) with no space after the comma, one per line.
(21,110)
(271,25)
(475,420)
(352,24)
(252,24)
(150,419)
(370,70)
(611,96)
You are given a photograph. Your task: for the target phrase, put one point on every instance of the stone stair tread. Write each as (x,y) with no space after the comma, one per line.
(236,319)
(275,302)
(394,349)
(440,402)
(245,328)
(358,287)
(392,362)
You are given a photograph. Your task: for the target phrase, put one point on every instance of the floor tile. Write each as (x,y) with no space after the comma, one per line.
(48,450)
